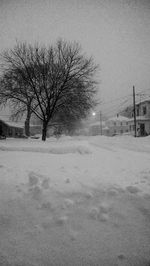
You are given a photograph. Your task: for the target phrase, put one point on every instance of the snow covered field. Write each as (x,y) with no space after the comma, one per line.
(75,201)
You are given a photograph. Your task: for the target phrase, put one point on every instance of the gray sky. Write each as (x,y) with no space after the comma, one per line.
(115,32)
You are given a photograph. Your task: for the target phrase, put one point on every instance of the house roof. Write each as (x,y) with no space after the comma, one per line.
(12,124)
(147,99)
(118,118)
(140,118)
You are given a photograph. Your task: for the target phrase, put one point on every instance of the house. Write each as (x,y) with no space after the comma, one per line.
(142,126)
(11,129)
(117,125)
(142,110)
(143,117)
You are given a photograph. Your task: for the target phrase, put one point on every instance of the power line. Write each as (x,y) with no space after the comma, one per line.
(143,91)
(123,104)
(118,106)
(115,100)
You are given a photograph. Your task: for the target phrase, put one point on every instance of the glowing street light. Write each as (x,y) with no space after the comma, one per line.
(94,114)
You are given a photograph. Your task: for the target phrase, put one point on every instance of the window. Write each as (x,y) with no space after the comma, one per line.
(137,112)
(144,110)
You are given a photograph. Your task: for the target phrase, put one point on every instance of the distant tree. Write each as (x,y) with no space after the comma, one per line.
(59,78)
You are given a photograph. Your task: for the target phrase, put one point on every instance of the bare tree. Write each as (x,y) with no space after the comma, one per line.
(60,77)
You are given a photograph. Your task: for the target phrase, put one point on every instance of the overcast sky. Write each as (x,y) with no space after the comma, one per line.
(115,32)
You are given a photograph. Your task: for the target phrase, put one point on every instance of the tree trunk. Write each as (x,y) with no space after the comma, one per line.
(44,131)
(27,122)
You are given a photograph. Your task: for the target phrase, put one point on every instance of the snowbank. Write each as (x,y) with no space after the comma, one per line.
(54,147)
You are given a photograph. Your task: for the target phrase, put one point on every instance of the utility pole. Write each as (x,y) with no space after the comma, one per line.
(101,123)
(134,111)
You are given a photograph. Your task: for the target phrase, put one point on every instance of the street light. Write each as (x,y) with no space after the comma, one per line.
(94,114)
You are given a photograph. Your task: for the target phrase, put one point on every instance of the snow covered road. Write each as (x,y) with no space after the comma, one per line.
(75,201)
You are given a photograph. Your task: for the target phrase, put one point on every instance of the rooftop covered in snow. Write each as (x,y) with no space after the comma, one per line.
(118,118)
(12,124)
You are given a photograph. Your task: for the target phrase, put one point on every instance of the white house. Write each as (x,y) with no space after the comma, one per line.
(118,125)
(142,117)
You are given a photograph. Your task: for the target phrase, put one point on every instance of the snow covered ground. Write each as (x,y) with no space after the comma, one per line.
(75,201)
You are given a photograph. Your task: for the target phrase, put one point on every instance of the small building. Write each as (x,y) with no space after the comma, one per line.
(11,129)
